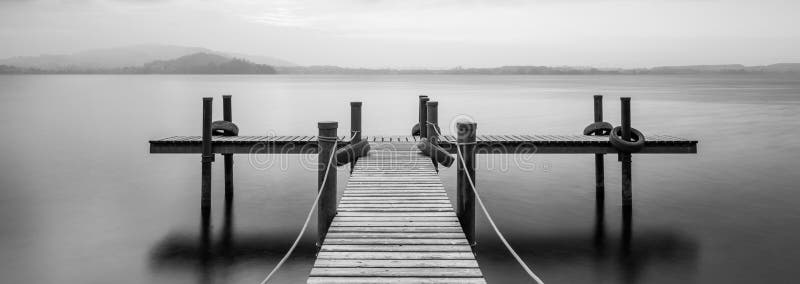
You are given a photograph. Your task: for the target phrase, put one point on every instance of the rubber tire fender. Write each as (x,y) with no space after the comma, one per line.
(615,137)
(224,128)
(598,128)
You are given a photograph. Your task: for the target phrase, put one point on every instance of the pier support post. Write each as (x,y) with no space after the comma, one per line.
(432,117)
(465,198)
(326,206)
(355,127)
(627,193)
(599,159)
(227,115)
(423,116)
(207,156)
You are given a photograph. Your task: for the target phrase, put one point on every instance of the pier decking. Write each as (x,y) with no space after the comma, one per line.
(395,224)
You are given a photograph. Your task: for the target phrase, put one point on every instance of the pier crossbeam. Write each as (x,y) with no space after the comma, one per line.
(395,224)
(486,144)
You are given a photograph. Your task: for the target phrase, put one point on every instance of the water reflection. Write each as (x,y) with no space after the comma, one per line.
(212,259)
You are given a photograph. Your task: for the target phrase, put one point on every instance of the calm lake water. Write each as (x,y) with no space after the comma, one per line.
(82,201)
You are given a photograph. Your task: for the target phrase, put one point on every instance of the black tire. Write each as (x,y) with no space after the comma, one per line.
(598,128)
(615,137)
(224,128)
(415,130)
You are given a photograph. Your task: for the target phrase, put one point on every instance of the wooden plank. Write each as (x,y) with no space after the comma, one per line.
(395,224)
(394,248)
(396,263)
(405,209)
(394,235)
(396,214)
(394,280)
(395,255)
(396,241)
(395,272)
(397,229)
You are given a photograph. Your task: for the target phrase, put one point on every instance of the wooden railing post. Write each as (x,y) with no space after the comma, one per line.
(326,206)
(355,121)
(227,115)
(355,127)
(432,117)
(207,156)
(423,114)
(627,193)
(432,109)
(465,197)
(599,159)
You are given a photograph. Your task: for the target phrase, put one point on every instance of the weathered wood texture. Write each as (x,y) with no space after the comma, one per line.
(486,144)
(395,224)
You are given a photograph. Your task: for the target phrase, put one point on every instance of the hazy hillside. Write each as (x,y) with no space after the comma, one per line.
(202,63)
(121,57)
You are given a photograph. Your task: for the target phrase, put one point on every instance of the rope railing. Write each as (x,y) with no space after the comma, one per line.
(310,211)
(489,217)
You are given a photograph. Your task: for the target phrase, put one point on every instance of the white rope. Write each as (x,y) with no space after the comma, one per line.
(489,217)
(308,218)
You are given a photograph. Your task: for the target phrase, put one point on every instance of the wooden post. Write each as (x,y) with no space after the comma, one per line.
(627,193)
(599,180)
(465,197)
(432,117)
(207,156)
(423,114)
(326,206)
(355,121)
(599,159)
(227,115)
(355,127)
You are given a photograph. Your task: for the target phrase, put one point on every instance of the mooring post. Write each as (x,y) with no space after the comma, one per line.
(465,197)
(227,115)
(355,121)
(355,127)
(326,206)
(432,117)
(599,159)
(423,114)
(207,156)
(627,194)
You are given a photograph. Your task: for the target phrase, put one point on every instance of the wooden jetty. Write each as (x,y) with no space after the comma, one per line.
(395,223)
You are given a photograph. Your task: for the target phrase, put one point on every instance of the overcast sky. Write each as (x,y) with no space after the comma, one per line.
(422,33)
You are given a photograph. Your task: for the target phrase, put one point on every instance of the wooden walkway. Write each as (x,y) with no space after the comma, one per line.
(395,224)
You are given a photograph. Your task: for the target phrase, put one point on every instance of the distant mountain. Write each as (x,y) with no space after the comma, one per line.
(783,67)
(728,68)
(793,68)
(201,63)
(121,57)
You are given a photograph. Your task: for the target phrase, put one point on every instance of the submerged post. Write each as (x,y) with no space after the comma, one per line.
(326,206)
(423,114)
(599,159)
(627,193)
(227,115)
(207,156)
(465,198)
